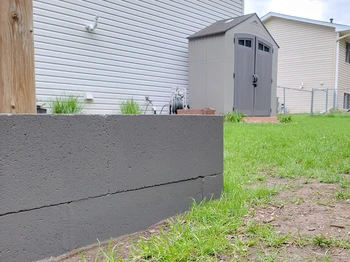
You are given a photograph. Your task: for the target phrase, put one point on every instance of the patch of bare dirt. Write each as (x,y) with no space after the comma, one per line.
(308,210)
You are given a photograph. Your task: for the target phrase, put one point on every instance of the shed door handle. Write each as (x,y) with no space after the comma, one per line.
(255,78)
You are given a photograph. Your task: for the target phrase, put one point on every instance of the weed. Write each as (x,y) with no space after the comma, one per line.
(66,104)
(322,241)
(302,241)
(130,107)
(297,200)
(326,258)
(265,256)
(108,253)
(234,117)
(345,244)
(284,118)
(342,195)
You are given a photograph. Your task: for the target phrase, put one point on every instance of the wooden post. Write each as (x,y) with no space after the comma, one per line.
(17,70)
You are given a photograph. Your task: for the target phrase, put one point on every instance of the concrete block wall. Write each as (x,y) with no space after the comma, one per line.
(67,180)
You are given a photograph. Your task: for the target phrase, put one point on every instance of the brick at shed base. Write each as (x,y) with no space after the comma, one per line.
(212,186)
(196,111)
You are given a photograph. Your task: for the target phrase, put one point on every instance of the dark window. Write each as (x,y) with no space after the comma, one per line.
(347,54)
(241,42)
(248,43)
(266,49)
(261,47)
(346,101)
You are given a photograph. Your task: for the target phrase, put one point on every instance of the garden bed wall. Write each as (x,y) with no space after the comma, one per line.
(66,181)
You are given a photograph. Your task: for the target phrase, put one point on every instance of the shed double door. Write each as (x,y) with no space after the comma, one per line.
(253,75)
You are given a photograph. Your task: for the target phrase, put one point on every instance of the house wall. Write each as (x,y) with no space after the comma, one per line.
(249,27)
(139,48)
(67,180)
(306,54)
(344,73)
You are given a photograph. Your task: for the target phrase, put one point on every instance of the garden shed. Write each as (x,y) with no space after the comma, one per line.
(233,67)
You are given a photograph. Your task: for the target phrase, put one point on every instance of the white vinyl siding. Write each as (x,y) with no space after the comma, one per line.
(306,55)
(139,48)
(344,73)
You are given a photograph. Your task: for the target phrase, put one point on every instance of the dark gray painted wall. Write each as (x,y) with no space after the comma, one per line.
(66,181)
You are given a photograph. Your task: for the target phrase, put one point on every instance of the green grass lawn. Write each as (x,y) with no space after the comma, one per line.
(317,147)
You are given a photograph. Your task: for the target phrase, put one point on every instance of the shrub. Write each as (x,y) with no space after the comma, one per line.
(130,107)
(234,117)
(285,118)
(66,105)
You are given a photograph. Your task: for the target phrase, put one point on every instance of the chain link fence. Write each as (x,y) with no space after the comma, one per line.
(312,101)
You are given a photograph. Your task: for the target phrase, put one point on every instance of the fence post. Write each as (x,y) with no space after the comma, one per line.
(312,102)
(284,100)
(326,100)
(17,79)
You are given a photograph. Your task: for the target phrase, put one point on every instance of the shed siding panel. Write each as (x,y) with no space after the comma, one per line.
(139,48)
(306,55)
(344,73)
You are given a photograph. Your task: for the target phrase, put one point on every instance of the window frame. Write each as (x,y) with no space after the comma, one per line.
(347,52)
(243,42)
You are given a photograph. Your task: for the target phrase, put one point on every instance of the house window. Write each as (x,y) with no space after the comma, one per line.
(346,101)
(241,42)
(347,54)
(261,47)
(266,49)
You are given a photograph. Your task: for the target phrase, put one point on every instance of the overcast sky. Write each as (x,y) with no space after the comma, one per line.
(313,9)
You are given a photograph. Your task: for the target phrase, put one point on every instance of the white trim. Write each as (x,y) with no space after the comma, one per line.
(336,73)
(338,27)
(344,36)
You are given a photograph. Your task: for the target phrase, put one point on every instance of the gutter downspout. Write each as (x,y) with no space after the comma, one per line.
(335,96)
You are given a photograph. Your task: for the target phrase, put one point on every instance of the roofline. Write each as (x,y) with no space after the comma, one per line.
(223,31)
(268,31)
(338,27)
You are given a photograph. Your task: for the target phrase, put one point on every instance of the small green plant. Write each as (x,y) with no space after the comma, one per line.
(108,254)
(69,104)
(284,118)
(234,117)
(343,195)
(322,241)
(130,107)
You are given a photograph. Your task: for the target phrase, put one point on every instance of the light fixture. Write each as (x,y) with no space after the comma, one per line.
(92,27)
(89,96)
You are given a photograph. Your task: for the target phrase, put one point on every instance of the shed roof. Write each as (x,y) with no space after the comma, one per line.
(337,27)
(220,27)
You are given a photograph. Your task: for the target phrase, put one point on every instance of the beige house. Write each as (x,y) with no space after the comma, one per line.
(312,55)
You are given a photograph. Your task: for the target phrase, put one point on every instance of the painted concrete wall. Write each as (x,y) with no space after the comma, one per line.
(66,181)
(139,48)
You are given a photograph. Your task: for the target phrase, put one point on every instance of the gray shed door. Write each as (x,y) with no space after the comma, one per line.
(263,69)
(253,74)
(244,68)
